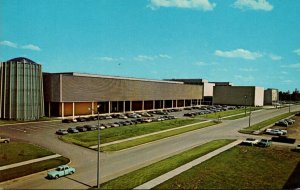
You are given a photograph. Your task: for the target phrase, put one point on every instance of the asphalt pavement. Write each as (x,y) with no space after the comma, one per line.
(117,163)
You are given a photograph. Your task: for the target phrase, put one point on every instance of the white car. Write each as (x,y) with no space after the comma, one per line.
(276,132)
(250,141)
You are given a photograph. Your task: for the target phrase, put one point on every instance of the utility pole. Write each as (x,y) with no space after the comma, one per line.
(245,104)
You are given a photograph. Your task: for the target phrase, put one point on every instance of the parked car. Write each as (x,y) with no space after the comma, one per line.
(121,116)
(275,132)
(81,119)
(60,171)
(250,141)
(297,114)
(290,121)
(4,140)
(282,123)
(72,130)
(67,121)
(264,143)
(297,149)
(61,132)
(81,128)
(90,127)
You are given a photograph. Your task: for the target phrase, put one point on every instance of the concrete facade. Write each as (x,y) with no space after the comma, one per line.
(21,90)
(75,94)
(271,96)
(239,95)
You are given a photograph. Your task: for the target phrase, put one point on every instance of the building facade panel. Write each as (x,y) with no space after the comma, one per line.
(79,88)
(238,95)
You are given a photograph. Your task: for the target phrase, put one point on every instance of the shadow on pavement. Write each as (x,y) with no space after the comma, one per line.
(78,181)
(293,181)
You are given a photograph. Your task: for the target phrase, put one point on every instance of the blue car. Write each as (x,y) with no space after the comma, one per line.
(60,171)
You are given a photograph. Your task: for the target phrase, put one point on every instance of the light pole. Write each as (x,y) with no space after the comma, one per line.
(245,104)
(250,116)
(98,147)
(290,104)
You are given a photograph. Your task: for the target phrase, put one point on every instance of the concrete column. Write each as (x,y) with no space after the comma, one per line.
(124,104)
(73,110)
(143,105)
(93,108)
(62,110)
(130,105)
(49,109)
(109,106)
(183,103)
(163,104)
(154,104)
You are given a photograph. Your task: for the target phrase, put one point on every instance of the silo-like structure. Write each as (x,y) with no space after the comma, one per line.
(21,90)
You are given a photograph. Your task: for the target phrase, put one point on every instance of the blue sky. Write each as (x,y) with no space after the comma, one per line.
(247,42)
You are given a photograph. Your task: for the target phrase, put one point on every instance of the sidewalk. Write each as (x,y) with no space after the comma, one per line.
(183,168)
(28,162)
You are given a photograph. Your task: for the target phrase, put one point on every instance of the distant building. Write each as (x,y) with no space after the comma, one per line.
(271,96)
(208,88)
(21,90)
(239,95)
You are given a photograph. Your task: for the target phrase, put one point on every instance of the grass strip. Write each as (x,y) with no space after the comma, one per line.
(226,113)
(89,138)
(143,140)
(237,116)
(242,167)
(28,169)
(140,176)
(15,152)
(253,128)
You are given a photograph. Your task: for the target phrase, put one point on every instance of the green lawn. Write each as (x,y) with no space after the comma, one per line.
(140,176)
(227,113)
(89,138)
(242,167)
(32,168)
(14,152)
(253,128)
(143,140)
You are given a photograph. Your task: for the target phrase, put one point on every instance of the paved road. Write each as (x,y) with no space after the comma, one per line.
(118,163)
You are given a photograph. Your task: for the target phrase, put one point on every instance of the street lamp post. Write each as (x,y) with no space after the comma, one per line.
(245,104)
(250,117)
(98,151)
(98,147)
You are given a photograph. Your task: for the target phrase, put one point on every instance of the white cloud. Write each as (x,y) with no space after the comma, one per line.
(297,51)
(31,47)
(151,58)
(165,56)
(110,59)
(275,57)
(238,53)
(9,44)
(295,66)
(245,79)
(284,72)
(144,58)
(253,4)
(187,4)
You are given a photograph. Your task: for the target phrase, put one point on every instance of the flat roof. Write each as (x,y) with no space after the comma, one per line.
(114,77)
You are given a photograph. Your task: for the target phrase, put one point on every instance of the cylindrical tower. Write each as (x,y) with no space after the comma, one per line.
(21,89)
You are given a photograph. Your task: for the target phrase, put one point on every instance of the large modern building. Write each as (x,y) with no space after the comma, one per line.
(21,90)
(239,95)
(75,94)
(271,96)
